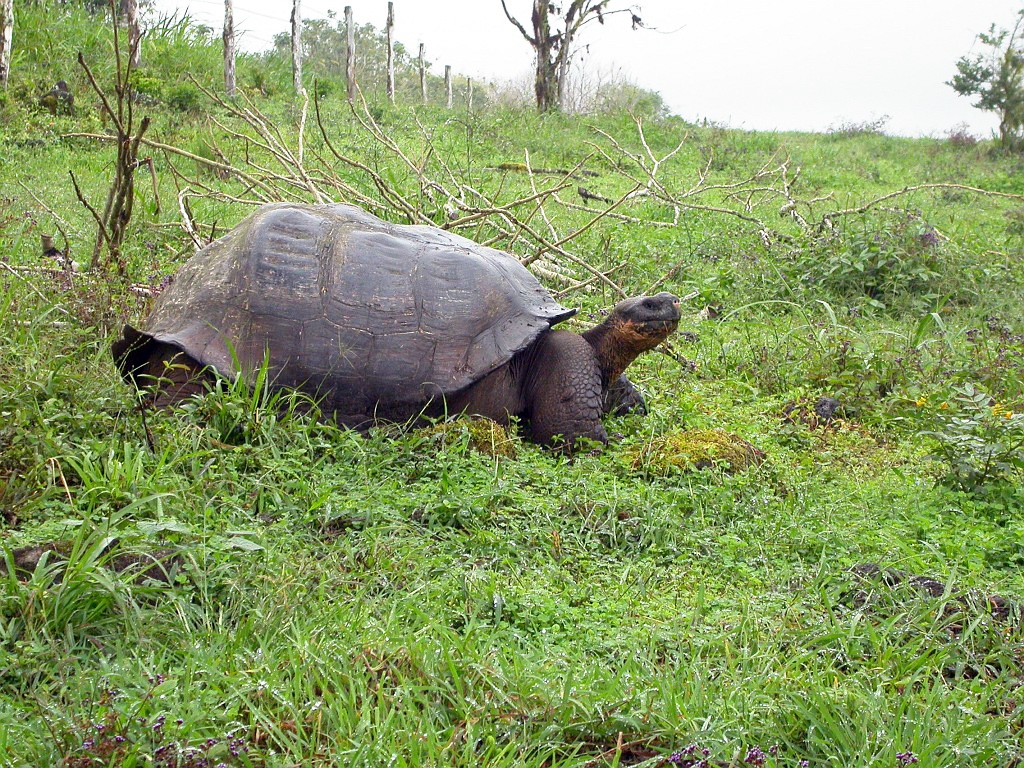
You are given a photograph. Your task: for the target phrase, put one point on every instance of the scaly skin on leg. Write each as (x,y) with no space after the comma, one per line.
(564,396)
(622,397)
(497,396)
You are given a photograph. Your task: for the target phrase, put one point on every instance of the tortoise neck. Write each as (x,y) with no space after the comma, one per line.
(612,348)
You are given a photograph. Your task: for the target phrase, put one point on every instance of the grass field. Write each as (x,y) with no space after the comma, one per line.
(409,598)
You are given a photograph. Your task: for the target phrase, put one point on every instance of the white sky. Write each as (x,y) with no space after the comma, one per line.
(752,64)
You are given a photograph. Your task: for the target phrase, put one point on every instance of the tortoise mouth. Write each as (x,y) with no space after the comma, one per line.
(672,324)
(656,327)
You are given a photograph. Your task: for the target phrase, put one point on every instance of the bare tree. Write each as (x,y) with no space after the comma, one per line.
(390,28)
(297,48)
(350,55)
(6,31)
(112,224)
(229,49)
(553,32)
(423,72)
(131,20)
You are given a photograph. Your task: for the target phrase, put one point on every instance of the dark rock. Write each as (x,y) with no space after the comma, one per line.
(58,100)
(160,565)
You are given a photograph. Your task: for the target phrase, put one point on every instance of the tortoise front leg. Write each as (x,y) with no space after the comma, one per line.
(623,396)
(565,400)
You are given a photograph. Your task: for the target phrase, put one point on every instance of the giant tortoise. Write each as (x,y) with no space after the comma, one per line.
(386,321)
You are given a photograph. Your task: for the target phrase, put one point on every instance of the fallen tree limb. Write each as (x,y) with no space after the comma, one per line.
(828,219)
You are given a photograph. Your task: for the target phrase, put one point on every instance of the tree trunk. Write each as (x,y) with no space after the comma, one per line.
(131,19)
(553,49)
(423,73)
(229,50)
(546,76)
(350,55)
(6,32)
(1006,122)
(563,62)
(448,84)
(390,31)
(545,87)
(297,49)
(469,93)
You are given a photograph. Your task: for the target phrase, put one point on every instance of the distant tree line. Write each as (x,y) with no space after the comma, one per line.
(325,51)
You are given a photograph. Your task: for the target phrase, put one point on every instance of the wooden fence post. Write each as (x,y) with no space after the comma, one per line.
(297,48)
(390,30)
(229,49)
(6,33)
(423,72)
(448,84)
(350,55)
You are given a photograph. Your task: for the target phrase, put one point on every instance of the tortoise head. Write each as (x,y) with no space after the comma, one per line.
(632,327)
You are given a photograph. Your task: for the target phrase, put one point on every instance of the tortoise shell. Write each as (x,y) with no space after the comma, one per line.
(374,319)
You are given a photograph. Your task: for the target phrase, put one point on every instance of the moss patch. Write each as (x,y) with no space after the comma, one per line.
(482,435)
(695,449)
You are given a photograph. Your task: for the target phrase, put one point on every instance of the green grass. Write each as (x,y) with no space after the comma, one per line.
(335,598)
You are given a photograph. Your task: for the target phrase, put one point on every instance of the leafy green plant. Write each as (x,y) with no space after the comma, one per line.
(145,88)
(123,728)
(883,257)
(980,441)
(245,410)
(73,597)
(184,97)
(717,289)
(175,44)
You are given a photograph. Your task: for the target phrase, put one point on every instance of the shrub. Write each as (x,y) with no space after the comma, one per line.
(695,449)
(852,128)
(880,256)
(980,441)
(480,434)
(994,77)
(960,136)
(184,97)
(145,88)
(627,97)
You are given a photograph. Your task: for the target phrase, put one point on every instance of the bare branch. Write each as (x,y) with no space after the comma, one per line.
(31,286)
(576,233)
(529,38)
(829,218)
(181,152)
(96,217)
(602,277)
(188,222)
(114,116)
(540,200)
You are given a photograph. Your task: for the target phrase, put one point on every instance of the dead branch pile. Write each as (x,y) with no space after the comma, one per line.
(418,180)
